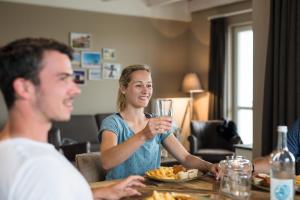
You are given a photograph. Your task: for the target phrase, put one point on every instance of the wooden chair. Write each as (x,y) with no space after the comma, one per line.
(89,165)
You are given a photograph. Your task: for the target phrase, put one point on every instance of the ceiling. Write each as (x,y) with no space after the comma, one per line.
(164,9)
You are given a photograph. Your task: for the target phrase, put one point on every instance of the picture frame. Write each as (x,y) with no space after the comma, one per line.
(95,74)
(80,40)
(76,58)
(108,54)
(90,59)
(79,76)
(111,70)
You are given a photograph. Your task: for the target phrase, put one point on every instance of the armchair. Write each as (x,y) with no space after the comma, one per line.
(206,140)
(78,135)
(68,150)
(79,129)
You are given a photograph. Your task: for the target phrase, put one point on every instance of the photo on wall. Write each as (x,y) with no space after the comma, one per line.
(76,58)
(79,76)
(80,40)
(90,59)
(95,74)
(111,70)
(108,54)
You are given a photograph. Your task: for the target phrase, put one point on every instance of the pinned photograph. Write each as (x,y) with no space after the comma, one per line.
(80,40)
(76,58)
(95,74)
(90,59)
(111,70)
(79,76)
(108,54)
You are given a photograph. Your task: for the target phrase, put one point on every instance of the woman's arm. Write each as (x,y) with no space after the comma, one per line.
(113,154)
(184,157)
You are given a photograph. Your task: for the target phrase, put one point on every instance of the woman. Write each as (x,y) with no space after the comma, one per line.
(130,139)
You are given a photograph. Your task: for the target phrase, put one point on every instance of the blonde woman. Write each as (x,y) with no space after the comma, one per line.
(130,139)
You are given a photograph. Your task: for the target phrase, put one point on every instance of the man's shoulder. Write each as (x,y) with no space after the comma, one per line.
(19,152)
(25,148)
(297,122)
(35,175)
(33,165)
(295,128)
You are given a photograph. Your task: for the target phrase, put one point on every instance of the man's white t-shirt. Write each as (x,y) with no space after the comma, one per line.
(37,171)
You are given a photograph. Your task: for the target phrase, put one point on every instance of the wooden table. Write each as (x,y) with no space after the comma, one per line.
(205,187)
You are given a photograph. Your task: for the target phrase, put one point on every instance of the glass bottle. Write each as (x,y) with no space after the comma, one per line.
(282,169)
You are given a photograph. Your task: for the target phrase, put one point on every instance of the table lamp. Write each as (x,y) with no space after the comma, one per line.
(191,84)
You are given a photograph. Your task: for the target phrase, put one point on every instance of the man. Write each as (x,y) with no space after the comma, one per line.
(262,164)
(293,140)
(37,84)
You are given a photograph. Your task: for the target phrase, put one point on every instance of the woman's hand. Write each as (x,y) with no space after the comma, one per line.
(124,188)
(156,126)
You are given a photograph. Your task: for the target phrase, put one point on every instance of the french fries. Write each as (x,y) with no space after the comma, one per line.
(175,172)
(297,180)
(162,172)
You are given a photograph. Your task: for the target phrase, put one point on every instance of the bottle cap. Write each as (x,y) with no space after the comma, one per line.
(282,128)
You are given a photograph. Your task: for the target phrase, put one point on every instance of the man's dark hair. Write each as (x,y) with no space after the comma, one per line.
(22,58)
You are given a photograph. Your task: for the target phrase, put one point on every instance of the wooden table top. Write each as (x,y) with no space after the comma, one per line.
(202,188)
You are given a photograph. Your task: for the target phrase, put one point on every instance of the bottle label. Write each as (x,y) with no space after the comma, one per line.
(282,189)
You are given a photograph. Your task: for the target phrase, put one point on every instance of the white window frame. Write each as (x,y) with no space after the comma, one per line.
(230,89)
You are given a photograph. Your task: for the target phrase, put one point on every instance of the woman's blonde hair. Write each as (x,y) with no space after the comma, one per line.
(125,78)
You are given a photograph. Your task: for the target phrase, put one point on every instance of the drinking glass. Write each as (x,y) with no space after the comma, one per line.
(165,108)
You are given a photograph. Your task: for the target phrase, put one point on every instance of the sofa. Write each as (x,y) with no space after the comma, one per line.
(78,135)
(208,142)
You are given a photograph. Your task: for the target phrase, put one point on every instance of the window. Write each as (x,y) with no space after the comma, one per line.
(240,80)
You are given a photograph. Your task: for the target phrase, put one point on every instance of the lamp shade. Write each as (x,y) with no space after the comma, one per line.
(191,83)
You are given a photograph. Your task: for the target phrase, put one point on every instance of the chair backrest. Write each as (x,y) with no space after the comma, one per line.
(208,136)
(100,117)
(54,137)
(89,164)
(81,128)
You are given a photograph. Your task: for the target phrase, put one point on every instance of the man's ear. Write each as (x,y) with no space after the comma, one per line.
(23,88)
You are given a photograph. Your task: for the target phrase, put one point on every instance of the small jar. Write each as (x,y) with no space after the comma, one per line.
(235,173)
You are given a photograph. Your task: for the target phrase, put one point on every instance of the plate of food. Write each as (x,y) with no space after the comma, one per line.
(262,181)
(297,183)
(176,196)
(177,173)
